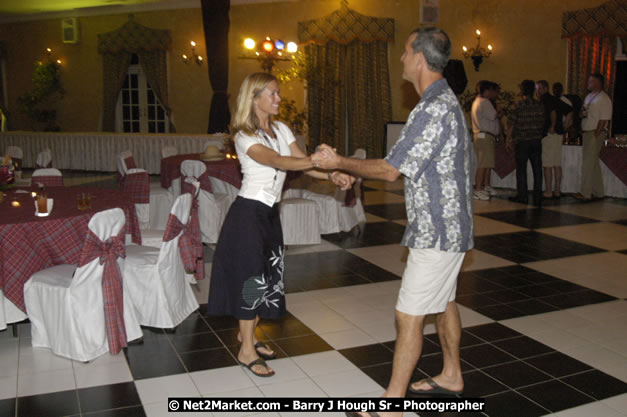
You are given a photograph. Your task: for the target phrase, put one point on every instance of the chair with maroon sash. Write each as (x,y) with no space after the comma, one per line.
(83,312)
(212,207)
(44,159)
(152,202)
(351,210)
(47,177)
(157,279)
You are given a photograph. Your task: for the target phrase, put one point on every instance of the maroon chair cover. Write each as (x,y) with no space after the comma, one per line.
(137,187)
(112,290)
(130,163)
(194,224)
(48,180)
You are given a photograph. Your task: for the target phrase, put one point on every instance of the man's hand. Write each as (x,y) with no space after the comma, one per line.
(342,180)
(326,157)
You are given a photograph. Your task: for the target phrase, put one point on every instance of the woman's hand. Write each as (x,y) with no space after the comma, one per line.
(342,180)
(326,157)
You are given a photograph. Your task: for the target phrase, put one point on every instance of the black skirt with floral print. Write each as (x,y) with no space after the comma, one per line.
(247,270)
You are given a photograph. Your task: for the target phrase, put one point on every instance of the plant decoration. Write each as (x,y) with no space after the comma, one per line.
(297,71)
(39,104)
(294,118)
(505,101)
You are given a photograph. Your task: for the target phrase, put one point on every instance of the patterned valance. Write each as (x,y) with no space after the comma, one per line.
(344,26)
(609,18)
(132,37)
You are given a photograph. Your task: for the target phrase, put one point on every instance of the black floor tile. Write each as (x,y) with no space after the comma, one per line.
(152,359)
(597,384)
(624,252)
(492,332)
(388,211)
(151,333)
(199,341)
(558,364)
(373,234)
(303,345)
(234,349)
(288,326)
(137,411)
(481,356)
(516,374)
(374,273)
(368,355)
(7,407)
(107,397)
(522,247)
(507,296)
(537,290)
(382,373)
(219,322)
(431,365)
(577,299)
(512,404)
(532,306)
(555,395)
(523,347)
(468,339)
(313,266)
(475,301)
(55,404)
(534,218)
(477,385)
(207,359)
(229,336)
(469,283)
(500,312)
(193,324)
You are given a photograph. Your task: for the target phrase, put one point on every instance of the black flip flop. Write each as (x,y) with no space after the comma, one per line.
(258,361)
(435,390)
(356,414)
(262,355)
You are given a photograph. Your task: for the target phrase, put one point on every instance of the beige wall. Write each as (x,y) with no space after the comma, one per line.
(525,35)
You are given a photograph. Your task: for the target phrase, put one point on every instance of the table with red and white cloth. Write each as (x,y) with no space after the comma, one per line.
(227,170)
(29,244)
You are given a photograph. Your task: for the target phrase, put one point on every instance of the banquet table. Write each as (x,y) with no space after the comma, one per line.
(613,170)
(228,170)
(98,151)
(29,244)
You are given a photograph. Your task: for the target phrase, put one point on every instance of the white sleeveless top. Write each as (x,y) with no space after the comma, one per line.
(260,178)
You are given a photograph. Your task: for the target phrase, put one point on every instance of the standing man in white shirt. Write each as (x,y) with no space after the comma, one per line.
(596,116)
(485,129)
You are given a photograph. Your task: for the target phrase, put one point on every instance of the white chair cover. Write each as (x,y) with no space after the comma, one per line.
(212,208)
(47,172)
(299,221)
(222,188)
(9,313)
(44,158)
(167,151)
(156,278)
(65,303)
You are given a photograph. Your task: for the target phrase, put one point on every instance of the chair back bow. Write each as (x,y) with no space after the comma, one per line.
(186,242)
(192,185)
(107,252)
(137,187)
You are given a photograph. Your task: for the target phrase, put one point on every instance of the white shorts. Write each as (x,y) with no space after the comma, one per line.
(429,281)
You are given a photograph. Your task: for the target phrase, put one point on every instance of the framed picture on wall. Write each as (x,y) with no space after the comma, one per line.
(430,12)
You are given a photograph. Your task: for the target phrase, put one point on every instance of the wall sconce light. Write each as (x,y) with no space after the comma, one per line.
(478,52)
(194,57)
(268,52)
(51,58)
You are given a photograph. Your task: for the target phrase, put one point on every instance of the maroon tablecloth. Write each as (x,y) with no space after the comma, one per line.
(504,162)
(227,170)
(29,244)
(616,160)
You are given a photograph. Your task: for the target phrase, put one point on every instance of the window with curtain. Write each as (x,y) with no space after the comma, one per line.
(138,108)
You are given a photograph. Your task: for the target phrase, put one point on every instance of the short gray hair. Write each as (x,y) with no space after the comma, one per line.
(435,45)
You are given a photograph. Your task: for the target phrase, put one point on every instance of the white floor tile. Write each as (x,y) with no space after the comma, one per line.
(9,352)
(476,259)
(346,383)
(381,332)
(609,236)
(323,363)
(230,379)
(323,246)
(348,339)
(327,323)
(43,382)
(472,318)
(528,325)
(392,258)
(285,370)
(496,204)
(36,360)
(303,387)
(91,375)
(561,339)
(485,226)
(618,403)
(154,390)
(596,409)
(602,210)
(8,387)
(371,218)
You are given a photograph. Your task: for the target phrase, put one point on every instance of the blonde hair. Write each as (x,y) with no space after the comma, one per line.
(245,119)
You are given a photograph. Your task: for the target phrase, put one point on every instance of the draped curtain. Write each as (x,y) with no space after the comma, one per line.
(215,17)
(348,86)
(3,58)
(117,48)
(592,37)
(588,54)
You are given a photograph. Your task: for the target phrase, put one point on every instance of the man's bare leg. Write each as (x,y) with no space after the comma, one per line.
(449,330)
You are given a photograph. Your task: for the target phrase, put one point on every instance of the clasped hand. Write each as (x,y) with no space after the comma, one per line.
(326,157)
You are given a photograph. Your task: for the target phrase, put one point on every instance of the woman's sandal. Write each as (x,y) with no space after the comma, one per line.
(258,361)
(261,345)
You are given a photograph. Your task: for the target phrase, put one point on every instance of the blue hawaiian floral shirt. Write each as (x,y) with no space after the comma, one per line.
(433,154)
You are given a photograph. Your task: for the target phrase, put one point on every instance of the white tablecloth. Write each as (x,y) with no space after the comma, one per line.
(571,175)
(98,151)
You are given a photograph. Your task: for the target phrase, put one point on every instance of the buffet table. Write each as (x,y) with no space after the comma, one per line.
(613,169)
(98,151)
